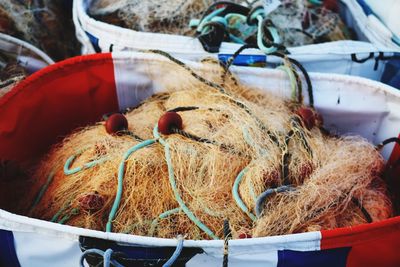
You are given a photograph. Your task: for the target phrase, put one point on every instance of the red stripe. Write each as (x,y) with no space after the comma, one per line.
(375,244)
(54,101)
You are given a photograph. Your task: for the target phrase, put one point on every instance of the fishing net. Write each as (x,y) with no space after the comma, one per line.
(298,22)
(187,159)
(302,23)
(10,75)
(46,24)
(160,16)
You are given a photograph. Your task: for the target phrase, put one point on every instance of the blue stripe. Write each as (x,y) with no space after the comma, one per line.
(8,256)
(95,42)
(391,74)
(367,10)
(244,60)
(327,258)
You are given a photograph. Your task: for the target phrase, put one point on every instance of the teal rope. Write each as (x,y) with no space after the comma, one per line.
(70,160)
(121,171)
(55,217)
(251,189)
(274,33)
(74,211)
(249,140)
(172,182)
(42,191)
(236,197)
(162,216)
(316,2)
(208,18)
(292,79)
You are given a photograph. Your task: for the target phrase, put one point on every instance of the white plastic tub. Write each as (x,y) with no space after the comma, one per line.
(28,56)
(361,58)
(116,81)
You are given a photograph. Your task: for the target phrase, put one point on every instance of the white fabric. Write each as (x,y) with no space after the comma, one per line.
(41,243)
(37,250)
(388,11)
(369,26)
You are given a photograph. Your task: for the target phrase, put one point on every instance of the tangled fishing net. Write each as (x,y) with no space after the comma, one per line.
(297,21)
(46,24)
(10,74)
(186,160)
(163,16)
(302,23)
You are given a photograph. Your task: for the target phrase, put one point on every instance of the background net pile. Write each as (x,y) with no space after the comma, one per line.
(235,144)
(302,23)
(298,21)
(46,24)
(161,16)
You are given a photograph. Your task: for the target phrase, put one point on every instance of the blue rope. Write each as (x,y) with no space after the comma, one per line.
(42,191)
(259,15)
(121,171)
(176,253)
(172,182)
(162,216)
(70,160)
(316,2)
(263,197)
(249,140)
(236,197)
(107,257)
(208,18)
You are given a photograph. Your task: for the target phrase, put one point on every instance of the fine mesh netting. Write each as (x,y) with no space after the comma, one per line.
(46,24)
(301,23)
(10,75)
(162,178)
(162,16)
(298,22)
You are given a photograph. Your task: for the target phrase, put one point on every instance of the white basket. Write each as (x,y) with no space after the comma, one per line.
(332,57)
(28,56)
(369,27)
(115,81)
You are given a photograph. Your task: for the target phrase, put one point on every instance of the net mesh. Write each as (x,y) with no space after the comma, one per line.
(298,22)
(161,16)
(249,131)
(46,24)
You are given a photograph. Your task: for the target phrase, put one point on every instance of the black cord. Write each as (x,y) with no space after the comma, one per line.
(227,236)
(305,74)
(388,141)
(363,210)
(286,158)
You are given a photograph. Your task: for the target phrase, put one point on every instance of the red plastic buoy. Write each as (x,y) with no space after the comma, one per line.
(168,122)
(91,201)
(116,123)
(307,115)
(244,235)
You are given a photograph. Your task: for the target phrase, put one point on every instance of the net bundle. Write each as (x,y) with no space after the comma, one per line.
(150,16)
(298,21)
(301,23)
(46,24)
(11,74)
(188,159)
(161,16)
